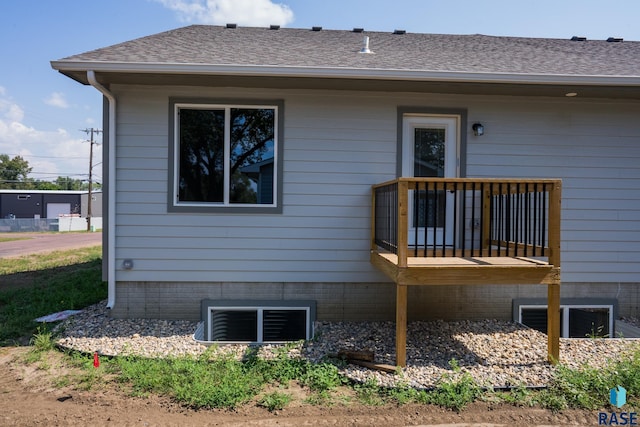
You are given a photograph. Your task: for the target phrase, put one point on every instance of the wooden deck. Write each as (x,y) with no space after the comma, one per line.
(466,271)
(516,241)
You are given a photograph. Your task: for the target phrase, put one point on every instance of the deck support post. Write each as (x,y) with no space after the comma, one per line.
(401,325)
(553,322)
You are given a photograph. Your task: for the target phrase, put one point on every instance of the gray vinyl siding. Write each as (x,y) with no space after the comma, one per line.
(336,145)
(594,146)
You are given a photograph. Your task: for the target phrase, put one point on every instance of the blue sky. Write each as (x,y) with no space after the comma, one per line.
(42,111)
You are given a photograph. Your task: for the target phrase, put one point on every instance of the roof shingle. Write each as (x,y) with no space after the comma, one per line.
(340,50)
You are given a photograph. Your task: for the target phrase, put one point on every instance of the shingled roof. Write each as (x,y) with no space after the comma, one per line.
(334,53)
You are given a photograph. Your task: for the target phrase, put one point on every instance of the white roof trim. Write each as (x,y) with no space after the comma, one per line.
(346,73)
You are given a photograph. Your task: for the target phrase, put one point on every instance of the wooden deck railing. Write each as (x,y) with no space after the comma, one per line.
(467,217)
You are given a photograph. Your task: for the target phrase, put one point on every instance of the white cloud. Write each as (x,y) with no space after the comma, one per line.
(56,99)
(241,12)
(50,153)
(8,109)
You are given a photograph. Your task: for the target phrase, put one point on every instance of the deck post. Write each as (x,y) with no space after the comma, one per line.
(553,288)
(553,322)
(401,325)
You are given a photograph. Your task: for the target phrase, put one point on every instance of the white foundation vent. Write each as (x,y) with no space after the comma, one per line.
(246,321)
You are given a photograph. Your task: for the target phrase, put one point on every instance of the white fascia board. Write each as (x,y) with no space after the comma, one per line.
(347,73)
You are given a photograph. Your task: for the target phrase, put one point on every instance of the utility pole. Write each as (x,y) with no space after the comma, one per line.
(91,131)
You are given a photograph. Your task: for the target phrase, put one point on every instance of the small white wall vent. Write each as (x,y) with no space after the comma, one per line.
(246,321)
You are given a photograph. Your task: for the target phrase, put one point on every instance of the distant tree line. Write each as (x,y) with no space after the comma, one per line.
(14,175)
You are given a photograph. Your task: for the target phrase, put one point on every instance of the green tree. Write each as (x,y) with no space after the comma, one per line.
(13,172)
(45,185)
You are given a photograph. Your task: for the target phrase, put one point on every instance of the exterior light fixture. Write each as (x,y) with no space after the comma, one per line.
(478,129)
(571,94)
(127,264)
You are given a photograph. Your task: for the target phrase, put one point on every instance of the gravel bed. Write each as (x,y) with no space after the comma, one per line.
(494,352)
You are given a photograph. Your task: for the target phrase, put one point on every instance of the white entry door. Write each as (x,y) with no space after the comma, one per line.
(430,149)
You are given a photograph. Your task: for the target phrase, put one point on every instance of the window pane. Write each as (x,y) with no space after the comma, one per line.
(201,176)
(252,156)
(588,322)
(428,153)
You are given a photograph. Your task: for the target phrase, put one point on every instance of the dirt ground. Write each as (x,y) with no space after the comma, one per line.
(33,395)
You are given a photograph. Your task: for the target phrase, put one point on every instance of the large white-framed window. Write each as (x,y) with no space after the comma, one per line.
(226,156)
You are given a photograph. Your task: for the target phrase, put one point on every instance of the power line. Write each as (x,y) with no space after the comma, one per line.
(91,142)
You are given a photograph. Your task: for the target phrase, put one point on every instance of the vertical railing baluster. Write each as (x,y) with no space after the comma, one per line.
(535,217)
(444,217)
(507,219)
(492,219)
(526,217)
(426,217)
(501,228)
(436,209)
(464,218)
(544,218)
(518,221)
(455,222)
(415,215)
(393,220)
(482,218)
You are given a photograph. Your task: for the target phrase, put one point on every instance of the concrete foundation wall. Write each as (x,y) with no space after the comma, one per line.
(357,301)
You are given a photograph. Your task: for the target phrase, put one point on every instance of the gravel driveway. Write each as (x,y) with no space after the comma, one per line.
(45,242)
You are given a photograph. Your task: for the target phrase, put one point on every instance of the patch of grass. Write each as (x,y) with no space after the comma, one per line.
(588,388)
(198,383)
(223,382)
(56,281)
(48,261)
(11,239)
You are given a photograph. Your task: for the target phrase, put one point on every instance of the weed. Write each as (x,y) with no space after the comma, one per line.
(402,394)
(597,332)
(41,343)
(275,401)
(454,394)
(369,393)
(551,400)
(519,396)
(320,398)
(322,377)
(43,339)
